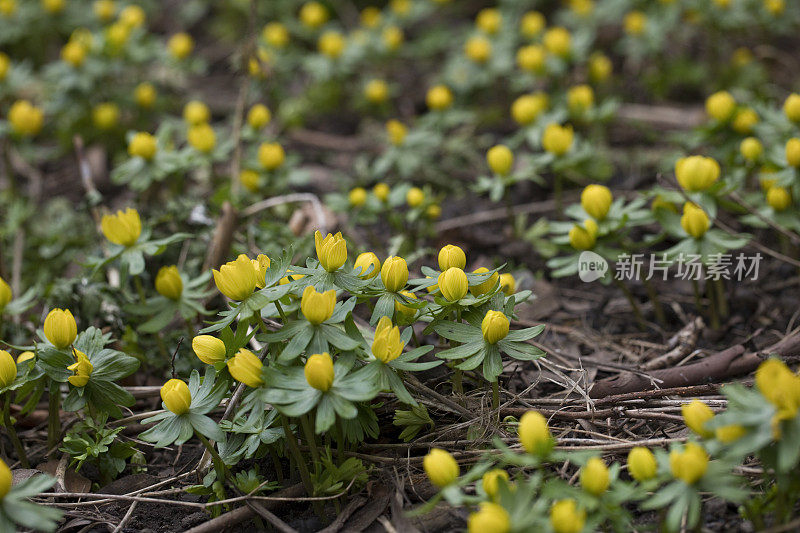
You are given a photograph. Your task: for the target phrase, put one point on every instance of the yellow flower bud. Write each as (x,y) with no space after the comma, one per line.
(376,91)
(581,8)
(489,20)
(690,464)
(557,139)
(596,200)
(271,155)
(451,256)
(394,273)
(494,326)
(196,112)
(317,307)
(123,228)
(5,479)
(433,211)
(594,476)
(694,220)
(642,464)
(145,95)
(558,41)
(60,328)
(696,173)
(528,107)
(720,106)
(580,99)
(8,7)
(500,159)
(74,53)
(491,482)
(209,349)
(396,131)
(565,517)
(319,371)
(775,7)
(405,314)
(82,369)
(104,10)
(53,6)
(583,237)
(275,34)
(180,45)
(143,145)
(532,24)
(357,196)
(313,15)
(744,120)
(26,119)
(635,23)
(751,149)
(258,116)
(236,279)
(5,294)
(25,356)
(169,283)
(453,284)
(730,433)
(534,435)
(532,58)
(400,7)
(331,250)
(793,152)
(370,17)
(791,107)
(105,116)
(116,36)
(600,67)
(414,197)
(441,467)
(779,198)
(202,138)
(176,396)
(507,284)
(245,367)
(478,49)
(5,65)
(439,97)
(491,517)
(392,37)
(367,261)
(381,191)
(331,44)
(387,345)
(8,369)
(250,179)
(781,387)
(132,16)
(484,287)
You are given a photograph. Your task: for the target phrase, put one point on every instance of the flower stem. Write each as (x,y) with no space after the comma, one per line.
(219,464)
(54,420)
(661,318)
(311,439)
(12,433)
(280,311)
(294,448)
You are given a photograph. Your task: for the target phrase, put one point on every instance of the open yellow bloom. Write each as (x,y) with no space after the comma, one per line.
(176,396)
(441,467)
(494,326)
(245,367)
(123,228)
(453,284)
(331,250)
(236,279)
(387,345)
(319,371)
(60,328)
(317,307)
(209,349)
(82,369)
(8,369)
(261,264)
(169,283)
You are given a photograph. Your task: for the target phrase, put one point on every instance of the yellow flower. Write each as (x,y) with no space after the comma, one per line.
(596,200)
(696,173)
(557,139)
(275,34)
(392,37)
(145,95)
(441,467)
(82,369)
(176,396)
(169,283)
(779,198)
(720,106)
(258,116)
(484,287)
(209,349)
(261,264)
(534,435)
(793,152)
(381,191)
(271,155)
(635,23)
(507,284)
(387,345)
(400,7)
(405,314)
(196,112)
(132,16)
(580,99)
(531,58)
(600,67)
(791,107)
(528,107)
(202,138)
(433,211)
(143,145)
(245,367)
(5,65)
(642,464)
(489,20)
(376,91)
(367,261)
(451,256)
(694,220)
(494,326)
(105,116)
(331,43)
(116,36)
(394,273)
(331,250)
(8,7)
(396,131)
(53,6)
(439,97)
(313,15)
(594,476)
(775,7)
(478,49)
(250,179)
(104,10)
(730,433)
(583,237)
(581,7)
(532,24)
(781,387)
(317,307)
(26,119)
(491,482)
(5,294)
(74,53)
(123,228)
(414,197)
(236,279)
(558,41)
(453,284)
(690,464)
(8,369)
(751,149)
(695,415)
(370,17)
(25,356)
(744,120)
(357,196)
(500,159)
(565,517)
(319,371)
(490,518)
(60,328)
(5,479)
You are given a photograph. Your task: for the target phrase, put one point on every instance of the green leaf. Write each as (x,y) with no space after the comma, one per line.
(455,331)
(206,427)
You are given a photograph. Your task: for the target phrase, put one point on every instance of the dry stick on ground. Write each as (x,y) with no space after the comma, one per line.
(686,341)
(319,211)
(792,236)
(223,236)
